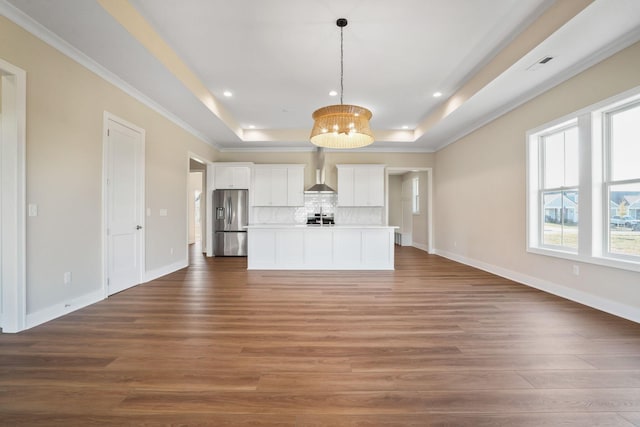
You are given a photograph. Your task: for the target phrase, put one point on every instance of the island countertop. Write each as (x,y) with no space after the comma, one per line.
(316,226)
(315,247)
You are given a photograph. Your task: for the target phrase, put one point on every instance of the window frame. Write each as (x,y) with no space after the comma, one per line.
(608,181)
(415,195)
(542,189)
(593,224)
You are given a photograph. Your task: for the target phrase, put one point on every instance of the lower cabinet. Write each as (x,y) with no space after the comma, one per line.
(310,248)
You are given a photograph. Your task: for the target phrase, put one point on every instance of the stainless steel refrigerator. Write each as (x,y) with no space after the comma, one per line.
(231,214)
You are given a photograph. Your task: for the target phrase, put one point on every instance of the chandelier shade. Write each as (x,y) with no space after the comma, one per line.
(341,126)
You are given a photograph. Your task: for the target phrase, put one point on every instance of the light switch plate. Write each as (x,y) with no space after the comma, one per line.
(163,212)
(33,209)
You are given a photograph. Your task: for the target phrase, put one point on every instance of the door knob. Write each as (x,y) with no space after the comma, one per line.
(138,227)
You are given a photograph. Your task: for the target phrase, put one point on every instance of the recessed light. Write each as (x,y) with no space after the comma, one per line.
(227,93)
(252,126)
(333,93)
(405,127)
(437,94)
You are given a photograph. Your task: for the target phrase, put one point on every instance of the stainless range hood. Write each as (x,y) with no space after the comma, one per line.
(320,186)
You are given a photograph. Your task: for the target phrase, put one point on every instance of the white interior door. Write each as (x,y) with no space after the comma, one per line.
(124,206)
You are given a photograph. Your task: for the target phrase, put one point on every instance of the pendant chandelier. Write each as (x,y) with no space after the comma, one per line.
(341,126)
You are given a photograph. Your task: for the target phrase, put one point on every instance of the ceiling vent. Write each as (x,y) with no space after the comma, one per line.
(539,63)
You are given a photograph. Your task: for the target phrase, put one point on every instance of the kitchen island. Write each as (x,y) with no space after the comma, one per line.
(314,247)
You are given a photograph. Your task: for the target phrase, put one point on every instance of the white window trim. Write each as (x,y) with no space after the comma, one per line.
(591,228)
(415,195)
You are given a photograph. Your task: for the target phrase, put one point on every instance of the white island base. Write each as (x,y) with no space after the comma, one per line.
(337,247)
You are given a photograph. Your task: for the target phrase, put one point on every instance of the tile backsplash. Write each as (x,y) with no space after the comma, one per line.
(320,202)
(313,203)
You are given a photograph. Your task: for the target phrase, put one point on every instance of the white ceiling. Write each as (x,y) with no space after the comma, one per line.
(280,58)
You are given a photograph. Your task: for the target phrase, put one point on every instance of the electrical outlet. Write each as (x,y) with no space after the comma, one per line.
(67,277)
(576,270)
(455,244)
(33,209)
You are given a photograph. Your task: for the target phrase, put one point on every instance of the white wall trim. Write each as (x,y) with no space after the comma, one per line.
(420,246)
(607,51)
(163,271)
(26,22)
(60,309)
(13,257)
(371,149)
(590,300)
(430,247)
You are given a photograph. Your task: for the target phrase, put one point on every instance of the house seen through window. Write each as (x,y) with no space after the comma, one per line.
(560,188)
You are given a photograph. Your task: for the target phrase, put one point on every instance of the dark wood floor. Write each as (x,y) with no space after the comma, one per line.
(434,343)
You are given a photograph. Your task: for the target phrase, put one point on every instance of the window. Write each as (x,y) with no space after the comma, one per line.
(415,195)
(559,188)
(583,184)
(622,179)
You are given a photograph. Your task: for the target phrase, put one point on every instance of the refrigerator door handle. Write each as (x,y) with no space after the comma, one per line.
(230,211)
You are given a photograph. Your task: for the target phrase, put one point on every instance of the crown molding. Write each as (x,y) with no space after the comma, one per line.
(599,56)
(27,23)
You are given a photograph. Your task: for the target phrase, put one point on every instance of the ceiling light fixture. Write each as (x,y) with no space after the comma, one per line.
(227,93)
(437,94)
(341,126)
(333,93)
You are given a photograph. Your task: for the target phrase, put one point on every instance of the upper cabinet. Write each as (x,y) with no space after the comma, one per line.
(360,185)
(278,185)
(232,177)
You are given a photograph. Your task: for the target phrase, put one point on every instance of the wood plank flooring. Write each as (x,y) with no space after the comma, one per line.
(433,343)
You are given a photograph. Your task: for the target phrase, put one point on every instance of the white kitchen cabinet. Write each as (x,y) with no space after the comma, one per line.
(232,177)
(278,185)
(360,185)
(295,186)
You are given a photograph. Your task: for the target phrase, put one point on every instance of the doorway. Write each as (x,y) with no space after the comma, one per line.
(13,94)
(123,192)
(196,207)
(410,205)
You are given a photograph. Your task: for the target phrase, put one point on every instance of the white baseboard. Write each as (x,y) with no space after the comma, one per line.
(57,310)
(603,304)
(420,246)
(163,271)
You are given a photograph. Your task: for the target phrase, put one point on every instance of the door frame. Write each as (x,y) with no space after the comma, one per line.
(13,255)
(429,171)
(141,200)
(204,222)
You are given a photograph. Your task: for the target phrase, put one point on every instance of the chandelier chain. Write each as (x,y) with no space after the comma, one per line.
(341,64)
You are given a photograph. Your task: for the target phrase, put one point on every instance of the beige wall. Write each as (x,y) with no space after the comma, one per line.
(480,187)
(65,106)
(395,200)
(332,158)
